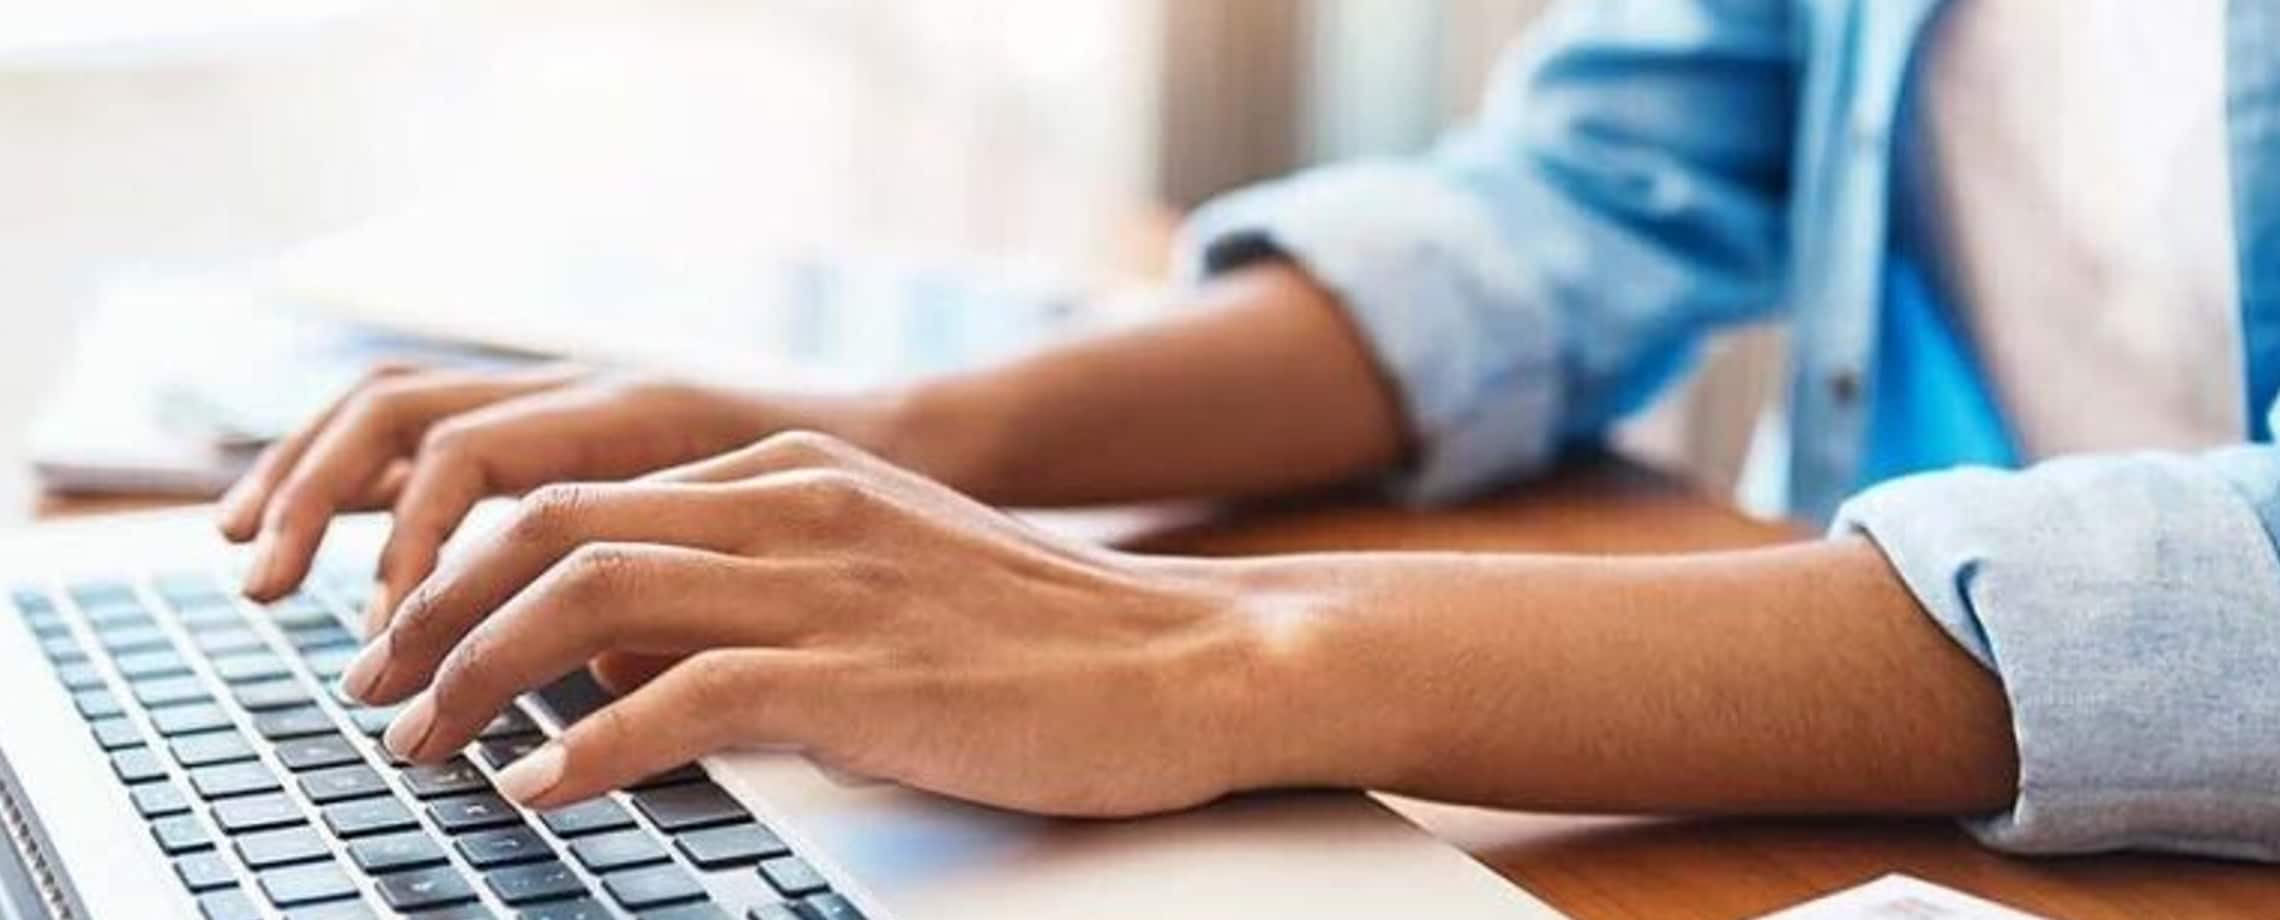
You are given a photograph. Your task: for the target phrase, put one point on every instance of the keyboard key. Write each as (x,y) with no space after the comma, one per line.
(499,752)
(654,886)
(300,612)
(617,850)
(592,816)
(317,752)
(126,639)
(299,722)
(340,784)
(320,637)
(734,845)
(373,721)
(228,904)
(247,814)
(101,592)
(510,722)
(79,676)
(204,872)
(207,748)
(681,808)
(62,650)
(115,732)
(503,847)
(188,718)
(460,912)
(425,888)
(545,881)
(282,847)
(30,599)
(145,665)
(264,695)
(687,912)
(450,777)
(292,886)
(336,910)
(581,909)
(229,640)
(328,663)
(233,779)
(368,816)
(170,691)
(252,666)
(681,775)
(157,800)
(472,813)
(830,905)
(110,619)
(395,852)
(792,876)
(778,911)
(136,765)
(180,834)
(96,704)
(573,697)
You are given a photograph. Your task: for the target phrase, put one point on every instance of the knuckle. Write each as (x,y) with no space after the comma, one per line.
(448,440)
(461,676)
(805,448)
(553,511)
(600,572)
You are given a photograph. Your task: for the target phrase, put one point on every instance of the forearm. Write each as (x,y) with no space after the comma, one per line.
(1802,679)
(1262,387)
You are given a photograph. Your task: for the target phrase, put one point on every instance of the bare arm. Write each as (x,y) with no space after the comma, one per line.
(1261,387)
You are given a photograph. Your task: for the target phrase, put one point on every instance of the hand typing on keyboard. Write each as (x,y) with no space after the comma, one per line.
(429,445)
(800,592)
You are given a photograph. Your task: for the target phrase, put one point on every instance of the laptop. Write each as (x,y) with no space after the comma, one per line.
(170,750)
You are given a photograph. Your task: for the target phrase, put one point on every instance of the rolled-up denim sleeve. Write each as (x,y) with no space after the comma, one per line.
(2130,606)
(1548,266)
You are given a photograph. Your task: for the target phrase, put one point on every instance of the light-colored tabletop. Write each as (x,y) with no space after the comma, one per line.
(1669,869)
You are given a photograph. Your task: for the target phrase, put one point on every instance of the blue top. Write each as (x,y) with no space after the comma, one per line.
(1647,171)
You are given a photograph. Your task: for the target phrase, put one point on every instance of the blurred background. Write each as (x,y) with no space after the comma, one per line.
(210,212)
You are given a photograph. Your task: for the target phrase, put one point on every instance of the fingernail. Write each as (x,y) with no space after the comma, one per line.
(410,730)
(530,777)
(364,671)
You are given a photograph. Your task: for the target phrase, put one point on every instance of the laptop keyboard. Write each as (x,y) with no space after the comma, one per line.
(270,791)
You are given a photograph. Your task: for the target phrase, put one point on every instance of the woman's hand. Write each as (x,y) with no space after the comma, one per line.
(430,445)
(804,594)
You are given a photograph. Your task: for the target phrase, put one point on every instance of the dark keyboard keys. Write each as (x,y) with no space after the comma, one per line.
(510,722)
(777,911)
(681,808)
(368,816)
(337,910)
(279,693)
(592,816)
(170,691)
(655,886)
(373,721)
(503,847)
(687,912)
(683,774)
(228,904)
(136,765)
(317,752)
(792,876)
(339,784)
(208,748)
(451,777)
(201,872)
(734,845)
(617,850)
(544,881)
(180,834)
(395,852)
(300,722)
(233,779)
(292,886)
(572,698)
(282,847)
(115,732)
(472,813)
(425,888)
(187,719)
(247,814)
(157,800)
(499,752)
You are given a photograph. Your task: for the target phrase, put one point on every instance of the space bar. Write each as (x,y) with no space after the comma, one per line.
(572,698)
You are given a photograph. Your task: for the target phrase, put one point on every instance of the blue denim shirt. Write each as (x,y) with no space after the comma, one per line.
(1647,171)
